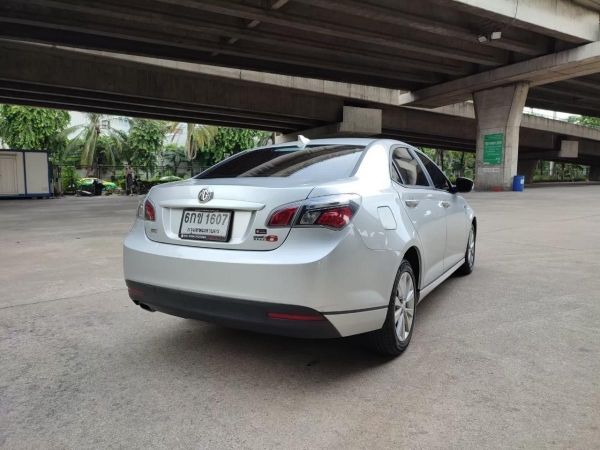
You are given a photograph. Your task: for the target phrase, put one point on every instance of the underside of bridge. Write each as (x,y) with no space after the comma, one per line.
(426,54)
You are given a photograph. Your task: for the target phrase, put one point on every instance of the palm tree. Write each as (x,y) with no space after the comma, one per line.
(198,137)
(92,141)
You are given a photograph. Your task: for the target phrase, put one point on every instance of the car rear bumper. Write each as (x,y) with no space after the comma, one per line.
(340,278)
(288,320)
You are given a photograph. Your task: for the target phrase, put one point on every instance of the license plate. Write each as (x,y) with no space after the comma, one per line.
(206,225)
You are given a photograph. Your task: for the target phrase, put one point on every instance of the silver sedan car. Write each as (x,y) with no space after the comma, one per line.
(315,239)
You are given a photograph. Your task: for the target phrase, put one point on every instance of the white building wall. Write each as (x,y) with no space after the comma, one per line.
(37,172)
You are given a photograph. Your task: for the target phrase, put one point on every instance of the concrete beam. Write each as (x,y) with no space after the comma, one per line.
(332,29)
(85,77)
(590,4)
(420,23)
(349,91)
(576,62)
(364,93)
(562,19)
(325,55)
(568,149)
(355,122)
(529,121)
(49,76)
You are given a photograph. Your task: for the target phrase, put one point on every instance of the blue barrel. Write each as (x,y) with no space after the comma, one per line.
(518,183)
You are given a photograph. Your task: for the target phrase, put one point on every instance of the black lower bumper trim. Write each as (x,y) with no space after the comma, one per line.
(234,313)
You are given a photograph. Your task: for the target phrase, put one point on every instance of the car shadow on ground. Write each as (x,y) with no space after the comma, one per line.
(191,344)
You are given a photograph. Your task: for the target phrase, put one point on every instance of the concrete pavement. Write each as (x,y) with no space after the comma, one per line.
(508,357)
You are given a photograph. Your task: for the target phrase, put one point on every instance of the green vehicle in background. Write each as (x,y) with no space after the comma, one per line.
(95,186)
(169,179)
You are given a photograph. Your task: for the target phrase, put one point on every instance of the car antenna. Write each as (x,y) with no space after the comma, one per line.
(304,141)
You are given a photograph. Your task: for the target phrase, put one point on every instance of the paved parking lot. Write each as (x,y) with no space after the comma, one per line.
(508,357)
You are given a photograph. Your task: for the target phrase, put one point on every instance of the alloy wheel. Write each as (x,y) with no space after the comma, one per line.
(404,306)
(471,248)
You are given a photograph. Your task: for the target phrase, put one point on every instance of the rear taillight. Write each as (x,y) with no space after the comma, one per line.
(149,213)
(331,211)
(282,217)
(335,217)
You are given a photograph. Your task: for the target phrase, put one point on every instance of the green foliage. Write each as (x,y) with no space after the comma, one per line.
(144,142)
(453,163)
(23,127)
(587,121)
(548,172)
(69,179)
(93,145)
(197,137)
(554,178)
(173,157)
(231,140)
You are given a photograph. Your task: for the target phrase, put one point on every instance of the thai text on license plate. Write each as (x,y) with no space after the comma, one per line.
(205,225)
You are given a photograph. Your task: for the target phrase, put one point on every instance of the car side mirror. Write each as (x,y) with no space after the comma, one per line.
(462,185)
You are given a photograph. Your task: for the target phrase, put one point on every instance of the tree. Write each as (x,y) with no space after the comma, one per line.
(144,142)
(197,137)
(173,156)
(587,121)
(233,140)
(94,144)
(23,127)
(455,163)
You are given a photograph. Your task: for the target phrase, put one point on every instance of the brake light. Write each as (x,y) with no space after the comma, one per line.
(149,213)
(336,217)
(282,217)
(330,211)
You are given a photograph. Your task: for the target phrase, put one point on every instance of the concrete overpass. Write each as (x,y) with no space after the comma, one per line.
(163,89)
(431,53)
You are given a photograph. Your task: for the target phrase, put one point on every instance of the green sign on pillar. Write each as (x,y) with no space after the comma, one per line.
(493,149)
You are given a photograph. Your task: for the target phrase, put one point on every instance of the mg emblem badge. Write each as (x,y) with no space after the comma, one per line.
(205,195)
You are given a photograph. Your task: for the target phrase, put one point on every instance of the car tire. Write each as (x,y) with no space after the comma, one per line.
(469,263)
(393,338)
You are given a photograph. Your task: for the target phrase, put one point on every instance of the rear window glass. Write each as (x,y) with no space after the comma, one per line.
(312,163)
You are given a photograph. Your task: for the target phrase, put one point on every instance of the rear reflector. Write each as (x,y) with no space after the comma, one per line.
(149,213)
(135,293)
(282,217)
(305,317)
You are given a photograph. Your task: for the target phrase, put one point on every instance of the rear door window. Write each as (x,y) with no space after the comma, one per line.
(309,164)
(408,168)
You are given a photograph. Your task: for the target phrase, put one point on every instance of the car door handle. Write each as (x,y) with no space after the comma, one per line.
(411,203)
(445,204)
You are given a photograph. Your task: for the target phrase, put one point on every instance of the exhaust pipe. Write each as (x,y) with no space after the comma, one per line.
(146,307)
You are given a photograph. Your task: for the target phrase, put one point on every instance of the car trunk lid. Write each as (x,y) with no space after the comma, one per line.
(237,207)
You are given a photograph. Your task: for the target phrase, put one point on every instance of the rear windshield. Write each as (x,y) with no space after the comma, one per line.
(312,163)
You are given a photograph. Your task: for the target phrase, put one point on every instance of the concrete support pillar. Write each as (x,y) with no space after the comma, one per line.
(595,173)
(498,112)
(527,168)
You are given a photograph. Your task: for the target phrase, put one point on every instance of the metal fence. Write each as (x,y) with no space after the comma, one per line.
(113,173)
